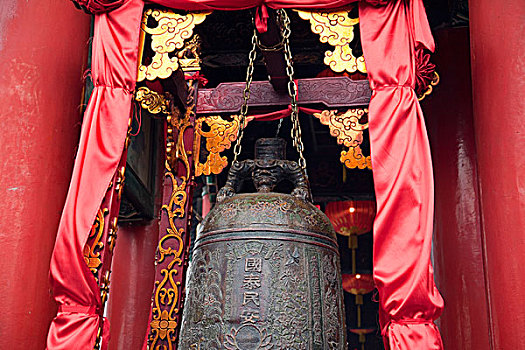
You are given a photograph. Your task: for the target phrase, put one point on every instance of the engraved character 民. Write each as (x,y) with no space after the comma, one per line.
(252,297)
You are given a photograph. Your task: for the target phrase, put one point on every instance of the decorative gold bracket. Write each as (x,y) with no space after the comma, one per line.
(152,101)
(337,29)
(220,136)
(167,37)
(348,130)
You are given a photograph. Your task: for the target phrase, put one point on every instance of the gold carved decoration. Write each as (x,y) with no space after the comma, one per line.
(348,130)
(220,136)
(176,123)
(337,29)
(189,56)
(152,101)
(92,252)
(166,297)
(104,288)
(167,37)
(428,91)
(112,234)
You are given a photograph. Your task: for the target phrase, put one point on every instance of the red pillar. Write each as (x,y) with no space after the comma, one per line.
(132,284)
(42,52)
(458,258)
(497,31)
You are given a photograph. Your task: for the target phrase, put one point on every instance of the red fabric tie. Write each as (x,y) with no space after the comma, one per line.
(79,309)
(261,19)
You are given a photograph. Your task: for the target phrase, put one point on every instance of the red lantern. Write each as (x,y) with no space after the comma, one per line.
(351,217)
(358,283)
(362,332)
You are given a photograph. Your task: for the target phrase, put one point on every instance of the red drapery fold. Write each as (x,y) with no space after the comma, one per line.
(409,300)
(114,70)
(403,180)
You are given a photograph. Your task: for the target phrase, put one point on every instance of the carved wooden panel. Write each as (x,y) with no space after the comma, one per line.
(332,92)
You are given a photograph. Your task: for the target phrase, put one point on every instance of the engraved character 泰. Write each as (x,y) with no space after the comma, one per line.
(251,281)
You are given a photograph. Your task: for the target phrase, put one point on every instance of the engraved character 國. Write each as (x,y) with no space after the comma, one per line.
(253,265)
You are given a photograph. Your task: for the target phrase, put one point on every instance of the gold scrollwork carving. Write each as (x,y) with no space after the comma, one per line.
(337,29)
(152,101)
(348,130)
(166,297)
(219,137)
(94,243)
(119,182)
(177,125)
(104,288)
(354,158)
(112,234)
(167,37)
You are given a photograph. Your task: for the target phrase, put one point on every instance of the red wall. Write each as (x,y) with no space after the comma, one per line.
(458,257)
(42,52)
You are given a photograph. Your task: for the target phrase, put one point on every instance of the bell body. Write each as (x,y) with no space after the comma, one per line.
(264,275)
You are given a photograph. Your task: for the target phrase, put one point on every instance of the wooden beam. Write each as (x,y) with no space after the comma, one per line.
(332,92)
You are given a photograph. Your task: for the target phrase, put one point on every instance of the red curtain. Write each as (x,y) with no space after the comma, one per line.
(104,129)
(391,31)
(409,300)
(194,5)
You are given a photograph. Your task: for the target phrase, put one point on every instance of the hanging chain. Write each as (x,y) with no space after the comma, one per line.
(292,90)
(246,96)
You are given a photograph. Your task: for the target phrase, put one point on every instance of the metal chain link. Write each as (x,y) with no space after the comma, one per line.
(246,96)
(295,132)
(292,89)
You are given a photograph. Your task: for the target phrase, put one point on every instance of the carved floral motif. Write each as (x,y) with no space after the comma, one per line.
(166,308)
(430,87)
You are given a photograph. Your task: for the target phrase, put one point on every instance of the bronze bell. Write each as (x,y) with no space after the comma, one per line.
(265,270)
